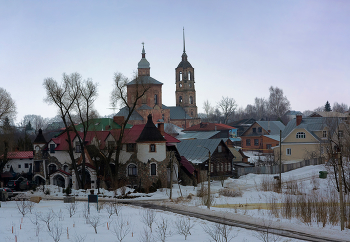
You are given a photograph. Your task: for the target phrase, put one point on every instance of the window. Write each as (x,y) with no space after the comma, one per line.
(219,148)
(65,168)
(300,135)
(217,167)
(8,166)
(77,147)
(191,100)
(130,147)
(153,169)
(340,134)
(222,167)
(180,85)
(163,116)
(247,142)
(324,134)
(228,166)
(191,113)
(132,170)
(111,145)
(259,130)
(256,142)
(268,146)
(152,148)
(52,148)
(189,75)
(189,84)
(19,166)
(180,76)
(254,130)
(26,165)
(289,151)
(52,168)
(180,99)
(155,99)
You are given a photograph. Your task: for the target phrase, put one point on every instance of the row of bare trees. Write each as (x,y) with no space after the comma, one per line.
(226,109)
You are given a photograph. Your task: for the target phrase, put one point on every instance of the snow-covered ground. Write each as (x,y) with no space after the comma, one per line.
(230,207)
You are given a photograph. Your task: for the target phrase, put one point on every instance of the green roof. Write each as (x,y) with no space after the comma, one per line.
(101,124)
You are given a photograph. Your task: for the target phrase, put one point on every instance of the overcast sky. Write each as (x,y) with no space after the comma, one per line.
(238,48)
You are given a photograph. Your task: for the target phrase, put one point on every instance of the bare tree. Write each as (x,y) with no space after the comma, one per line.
(219,232)
(22,207)
(94,221)
(7,105)
(184,226)
(48,218)
(228,106)
(148,217)
(260,107)
(162,229)
(71,208)
(121,228)
(119,96)
(278,103)
(208,109)
(74,98)
(56,231)
(340,107)
(146,235)
(35,222)
(37,121)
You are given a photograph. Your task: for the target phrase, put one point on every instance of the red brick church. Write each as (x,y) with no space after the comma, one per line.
(184,114)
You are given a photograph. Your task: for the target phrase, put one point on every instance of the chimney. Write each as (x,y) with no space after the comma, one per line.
(161,128)
(299,119)
(118,119)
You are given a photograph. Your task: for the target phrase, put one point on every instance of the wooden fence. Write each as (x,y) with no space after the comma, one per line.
(276,168)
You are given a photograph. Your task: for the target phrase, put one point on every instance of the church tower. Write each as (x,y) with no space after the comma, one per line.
(185,90)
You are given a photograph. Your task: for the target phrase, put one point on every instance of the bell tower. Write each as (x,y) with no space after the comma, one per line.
(185,93)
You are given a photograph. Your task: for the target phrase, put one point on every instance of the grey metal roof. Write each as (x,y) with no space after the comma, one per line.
(143,63)
(197,135)
(309,124)
(144,106)
(125,111)
(144,80)
(177,112)
(194,150)
(274,137)
(273,126)
(293,112)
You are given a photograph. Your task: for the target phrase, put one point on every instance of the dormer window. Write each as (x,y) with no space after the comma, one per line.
(77,147)
(52,148)
(324,134)
(300,135)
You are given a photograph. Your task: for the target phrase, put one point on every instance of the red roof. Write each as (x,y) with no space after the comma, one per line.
(62,144)
(20,155)
(131,135)
(209,127)
(187,165)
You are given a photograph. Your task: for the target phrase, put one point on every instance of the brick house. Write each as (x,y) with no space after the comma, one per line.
(262,136)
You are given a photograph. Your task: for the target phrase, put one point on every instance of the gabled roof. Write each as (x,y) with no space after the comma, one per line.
(61,140)
(101,124)
(144,80)
(195,150)
(20,155)
(125,112)
(197,135)
(187,165)
(144,106)
(177,112)
(131,135)
(273,126)
(150,132)
(209,127)
(309,124)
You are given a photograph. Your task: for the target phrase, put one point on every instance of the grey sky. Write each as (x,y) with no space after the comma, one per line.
(238,48)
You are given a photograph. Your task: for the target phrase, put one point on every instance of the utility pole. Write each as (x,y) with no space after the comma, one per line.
(280,180)
(171,174)
(208,202)
(339,156)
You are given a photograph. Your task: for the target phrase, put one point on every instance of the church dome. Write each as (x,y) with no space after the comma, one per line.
(143,63)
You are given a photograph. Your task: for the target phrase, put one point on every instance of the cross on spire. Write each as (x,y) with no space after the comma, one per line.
(184,38)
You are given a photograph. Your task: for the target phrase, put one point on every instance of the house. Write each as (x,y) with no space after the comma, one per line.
(215,131)
(242,125)
(305,138)
(262,136)
(342,116)
(197,151)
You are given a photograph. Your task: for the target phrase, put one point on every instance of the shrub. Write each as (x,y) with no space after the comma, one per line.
(230,193)
(47,191)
